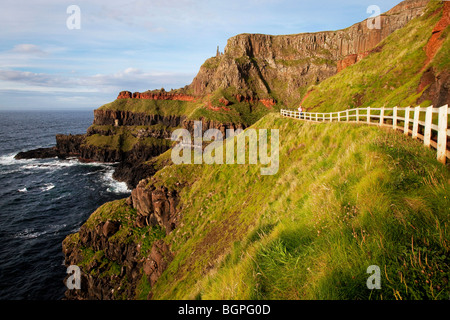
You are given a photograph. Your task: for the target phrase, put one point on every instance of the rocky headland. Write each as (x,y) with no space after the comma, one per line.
(254,70)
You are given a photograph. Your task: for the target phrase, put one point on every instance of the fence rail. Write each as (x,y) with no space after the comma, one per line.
(428,124)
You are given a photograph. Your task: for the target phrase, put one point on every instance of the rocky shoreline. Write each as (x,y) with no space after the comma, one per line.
(120,248)
(132,166)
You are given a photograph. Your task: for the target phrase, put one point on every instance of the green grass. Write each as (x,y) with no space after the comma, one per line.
(97,262)
(124,139)
(118,211)
(387,78)
(241,112)
(345,197)
(160,107)
(211,63)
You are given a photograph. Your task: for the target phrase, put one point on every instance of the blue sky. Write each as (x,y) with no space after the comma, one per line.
(137,45)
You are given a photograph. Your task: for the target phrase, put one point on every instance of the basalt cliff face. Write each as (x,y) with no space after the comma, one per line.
(129,118)
(128,138)
(149,95)
(282,67)
(120,249)
(127,263)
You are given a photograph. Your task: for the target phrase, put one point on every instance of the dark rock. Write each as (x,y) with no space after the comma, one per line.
(110,228)
(158,260)
(69,145)
(128,118)
(157,206)
(41,153)
(129,201)
(296,59)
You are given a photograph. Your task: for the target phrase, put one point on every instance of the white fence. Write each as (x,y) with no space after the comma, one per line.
(428,124)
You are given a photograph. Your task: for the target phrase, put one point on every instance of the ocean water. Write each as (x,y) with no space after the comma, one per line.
(44,200)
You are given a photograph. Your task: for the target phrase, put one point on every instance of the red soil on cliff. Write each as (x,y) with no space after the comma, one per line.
(155,96)
(436,40)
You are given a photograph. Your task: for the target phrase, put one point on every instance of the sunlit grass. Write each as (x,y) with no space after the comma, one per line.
(387,78)
(346,197)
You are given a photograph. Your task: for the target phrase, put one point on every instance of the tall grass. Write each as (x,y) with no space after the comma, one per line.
(387,78)
(345,197)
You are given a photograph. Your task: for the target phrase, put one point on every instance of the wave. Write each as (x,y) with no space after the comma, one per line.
(32,234)
(29,234)
(42,188)
(47,187)
(49,163)
(54,164)
(113,185)
(8,159)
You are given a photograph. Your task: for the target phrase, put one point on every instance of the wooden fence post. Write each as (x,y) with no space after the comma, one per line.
(382,116)
(357,115)
(428,123)
(416,122)
(368,114)
(346,114)
(394,119)
(442,134)
(406,129)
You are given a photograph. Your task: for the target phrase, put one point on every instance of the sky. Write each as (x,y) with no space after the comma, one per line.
(55,58)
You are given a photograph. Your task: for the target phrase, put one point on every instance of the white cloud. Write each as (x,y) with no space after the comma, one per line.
(129,79)
(27,48)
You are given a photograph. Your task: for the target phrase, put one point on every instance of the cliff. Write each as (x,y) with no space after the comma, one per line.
(124,240)
(283,66)
(435,81)
(155,95)
(131,139)
(226,232)
(388,76)
(196,232)
(99,248)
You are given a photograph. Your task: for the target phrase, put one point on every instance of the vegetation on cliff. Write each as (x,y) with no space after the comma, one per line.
(391,75)
(345,197)
(282,67)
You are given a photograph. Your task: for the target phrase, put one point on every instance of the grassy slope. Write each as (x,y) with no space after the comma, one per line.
(345,197)
(386,78)
(96,261)
(241,112)
(122,139)
(162,107)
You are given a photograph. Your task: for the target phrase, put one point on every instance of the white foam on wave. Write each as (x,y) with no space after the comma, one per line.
(114,185)
(47,187)
(53,165)
(30,165)
(46,164)
(31,233)
(8,159)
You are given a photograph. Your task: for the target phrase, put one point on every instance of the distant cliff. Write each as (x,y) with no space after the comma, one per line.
(283,66)
(185,230)
(155,95)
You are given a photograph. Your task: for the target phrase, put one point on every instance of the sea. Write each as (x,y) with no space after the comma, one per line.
(44,200)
